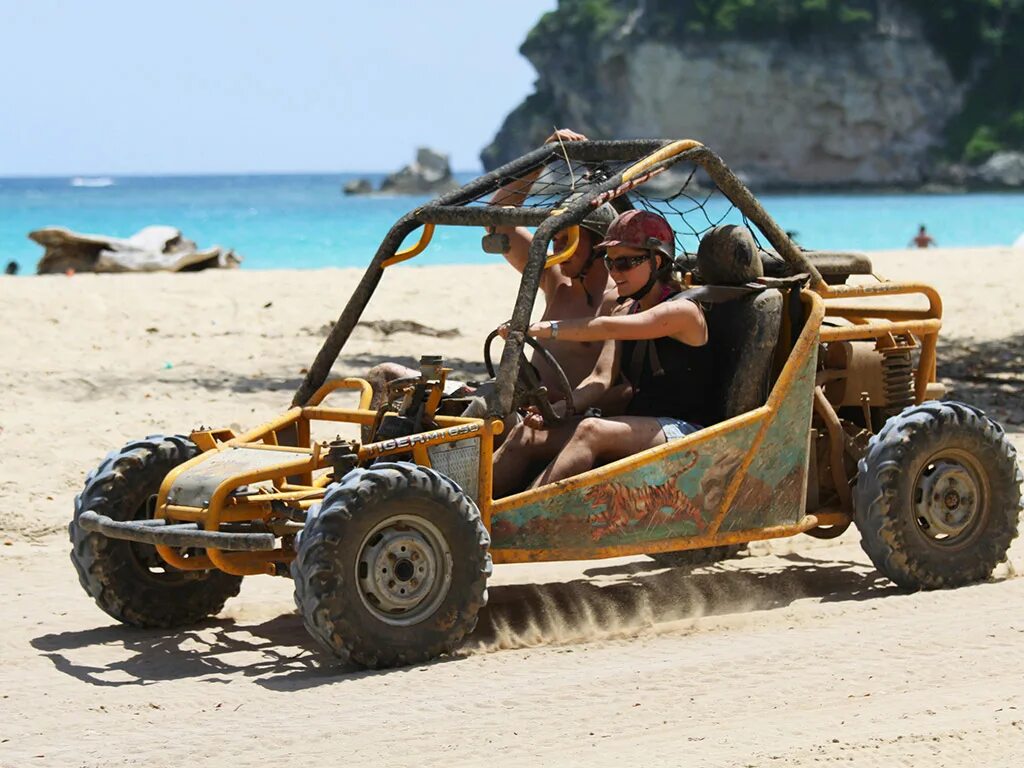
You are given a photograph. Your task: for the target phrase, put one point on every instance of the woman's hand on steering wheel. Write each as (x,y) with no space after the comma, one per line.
(541,330)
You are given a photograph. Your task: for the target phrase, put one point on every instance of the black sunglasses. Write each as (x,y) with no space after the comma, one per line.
(624,263)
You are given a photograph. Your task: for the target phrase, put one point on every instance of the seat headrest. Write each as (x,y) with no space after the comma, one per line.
(727,255)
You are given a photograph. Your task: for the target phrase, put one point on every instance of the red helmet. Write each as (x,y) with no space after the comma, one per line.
(641,229)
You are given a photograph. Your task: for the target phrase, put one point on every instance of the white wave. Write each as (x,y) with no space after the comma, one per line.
(94,181)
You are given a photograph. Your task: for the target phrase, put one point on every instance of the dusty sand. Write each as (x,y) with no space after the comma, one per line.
(796,655)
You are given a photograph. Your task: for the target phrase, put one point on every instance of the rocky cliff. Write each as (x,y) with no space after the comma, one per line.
(862,103)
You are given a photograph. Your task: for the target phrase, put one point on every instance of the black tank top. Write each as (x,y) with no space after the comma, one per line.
(670,378)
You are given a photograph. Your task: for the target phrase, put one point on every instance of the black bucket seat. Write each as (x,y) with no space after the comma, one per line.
(743,323)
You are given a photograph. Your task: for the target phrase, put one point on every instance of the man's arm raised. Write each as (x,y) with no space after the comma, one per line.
(514,193)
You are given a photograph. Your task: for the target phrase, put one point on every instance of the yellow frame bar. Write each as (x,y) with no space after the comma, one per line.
(503,556)
(352,382)
(566,253)
(879,321)
(670,150)
(224,508)
(415,250)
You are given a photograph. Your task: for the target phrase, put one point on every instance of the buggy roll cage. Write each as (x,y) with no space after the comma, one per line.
(648,158)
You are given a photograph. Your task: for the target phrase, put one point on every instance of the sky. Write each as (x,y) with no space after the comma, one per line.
(217,86)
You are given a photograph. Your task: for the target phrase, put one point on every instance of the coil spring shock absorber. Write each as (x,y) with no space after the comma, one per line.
(898,379)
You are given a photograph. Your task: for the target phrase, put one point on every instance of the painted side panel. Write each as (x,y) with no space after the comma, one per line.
(775,487)
(677,495)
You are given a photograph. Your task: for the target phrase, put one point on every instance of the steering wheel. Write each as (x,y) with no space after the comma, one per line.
(529,389)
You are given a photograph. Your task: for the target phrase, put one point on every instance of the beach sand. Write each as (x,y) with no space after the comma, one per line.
(798,654)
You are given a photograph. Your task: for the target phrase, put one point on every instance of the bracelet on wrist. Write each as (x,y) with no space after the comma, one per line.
(553,326)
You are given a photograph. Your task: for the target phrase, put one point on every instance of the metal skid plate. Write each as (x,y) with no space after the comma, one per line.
(459,461)
(196,484)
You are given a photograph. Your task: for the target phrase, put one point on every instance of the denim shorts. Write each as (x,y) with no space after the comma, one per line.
(676,429)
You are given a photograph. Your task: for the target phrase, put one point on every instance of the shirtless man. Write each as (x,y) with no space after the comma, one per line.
(579,287)
(922,239)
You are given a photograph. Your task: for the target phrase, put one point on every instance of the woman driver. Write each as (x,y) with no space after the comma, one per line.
(662,354)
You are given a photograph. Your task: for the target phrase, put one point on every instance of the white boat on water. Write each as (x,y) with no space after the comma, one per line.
(92,181)
(1019,242)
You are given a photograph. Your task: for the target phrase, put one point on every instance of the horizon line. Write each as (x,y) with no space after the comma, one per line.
(201,174)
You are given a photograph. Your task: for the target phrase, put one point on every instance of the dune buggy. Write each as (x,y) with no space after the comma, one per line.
(830,416)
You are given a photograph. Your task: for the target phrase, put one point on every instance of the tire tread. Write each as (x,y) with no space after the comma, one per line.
(881,478)
(320,584)
(99,561)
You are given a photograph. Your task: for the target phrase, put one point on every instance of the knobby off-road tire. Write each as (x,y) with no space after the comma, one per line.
(392,567)
(129,580)
(695,558)
(938,496)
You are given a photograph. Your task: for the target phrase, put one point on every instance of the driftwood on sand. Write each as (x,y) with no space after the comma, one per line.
(152,249)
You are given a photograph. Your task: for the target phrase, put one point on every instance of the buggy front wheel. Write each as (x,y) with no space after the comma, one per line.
(129,580)
(392,567)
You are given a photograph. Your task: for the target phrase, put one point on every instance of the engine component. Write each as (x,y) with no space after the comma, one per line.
(898,379)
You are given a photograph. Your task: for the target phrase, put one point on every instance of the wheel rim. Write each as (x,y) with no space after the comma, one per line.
(404,570)
(951,496)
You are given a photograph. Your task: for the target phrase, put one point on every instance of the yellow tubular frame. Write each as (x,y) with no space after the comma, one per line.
(669,150)
(224,508)
(866,323)
(566,253)
(365,391)
(415,250)
(872,323)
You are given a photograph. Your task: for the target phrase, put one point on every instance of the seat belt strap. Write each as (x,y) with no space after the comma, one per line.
(718,294)
(792,285)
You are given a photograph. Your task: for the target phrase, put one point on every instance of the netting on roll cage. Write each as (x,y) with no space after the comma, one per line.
(552,181)
(693,205)
(684,195)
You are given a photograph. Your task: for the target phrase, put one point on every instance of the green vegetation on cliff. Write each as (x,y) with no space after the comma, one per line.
(795,19)
(586,20)
(981,40)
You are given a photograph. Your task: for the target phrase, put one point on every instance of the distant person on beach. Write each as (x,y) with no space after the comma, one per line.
(12,268)
(923,239)
(579,287)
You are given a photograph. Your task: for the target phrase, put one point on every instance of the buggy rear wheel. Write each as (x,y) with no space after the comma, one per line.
(392,567)
(937,499)
(127,579)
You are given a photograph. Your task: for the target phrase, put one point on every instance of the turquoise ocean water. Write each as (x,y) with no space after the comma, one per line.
(304,221)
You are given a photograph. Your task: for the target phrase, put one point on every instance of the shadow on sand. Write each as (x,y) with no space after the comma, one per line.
(278,654)
(351,365)
(988,374)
